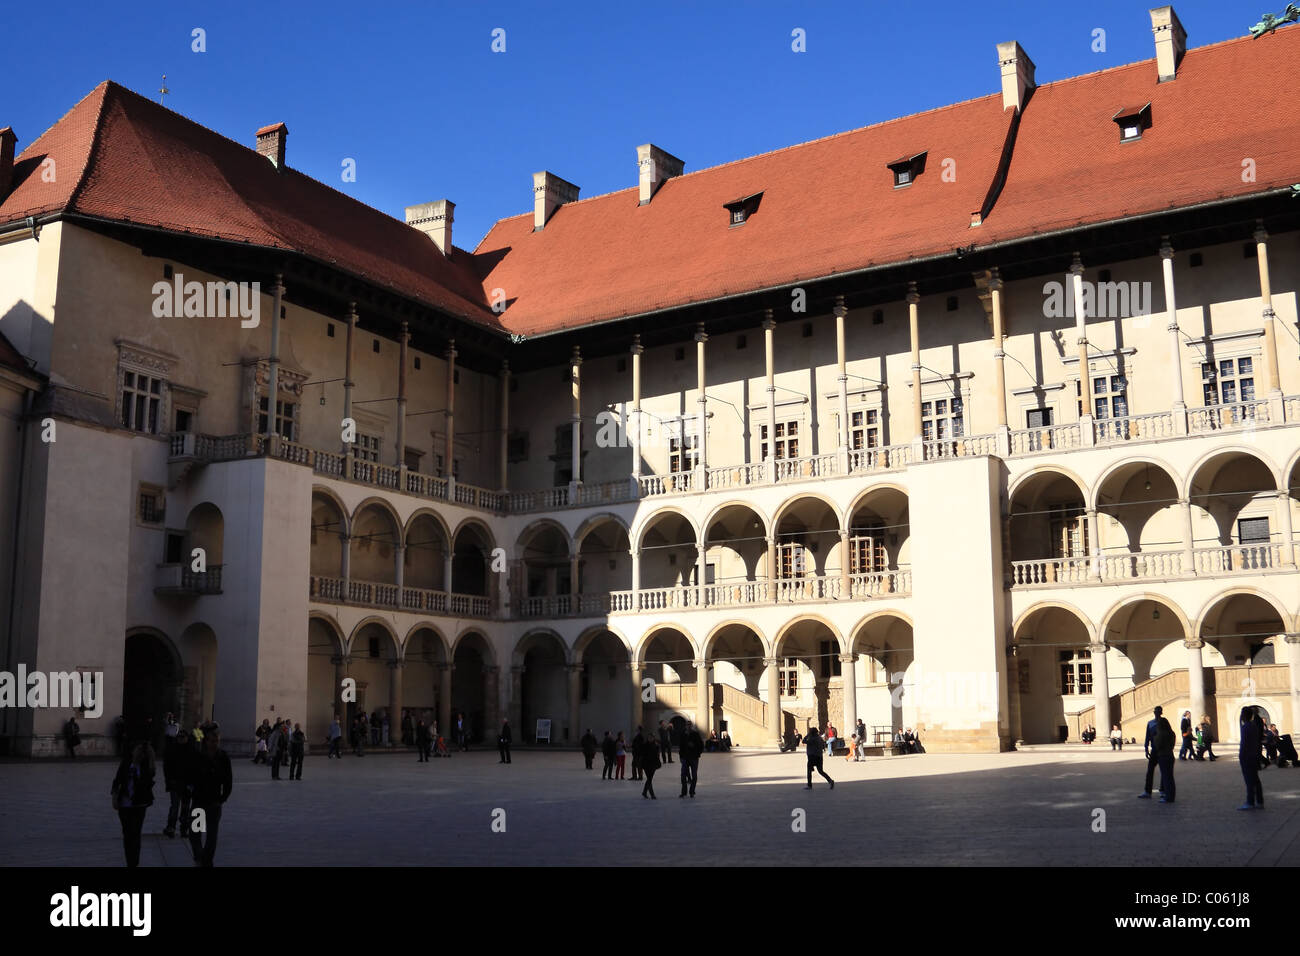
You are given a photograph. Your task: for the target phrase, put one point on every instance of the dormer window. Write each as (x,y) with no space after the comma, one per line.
(739,210)
(906,170)
(1132,121)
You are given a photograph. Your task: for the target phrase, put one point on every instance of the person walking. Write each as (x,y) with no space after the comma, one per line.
(363,732)
(815,746)
(1164,751)
(211,782)
(649,764)
(1116,738)
(279,746)
(72,735)
(1188,749)
(335,738)
(607,750)
(638,751)
(132,792)
(462,741)
(1148,747)
(1205,739)
(1248,758)
(297,751)
(689,748)
(859,752)
(589,747)
(665,744)
(620,756)
(422,742)
(503,741)
(176,754)
(408,730)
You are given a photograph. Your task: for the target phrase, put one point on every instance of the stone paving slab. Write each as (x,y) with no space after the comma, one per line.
(1033,809)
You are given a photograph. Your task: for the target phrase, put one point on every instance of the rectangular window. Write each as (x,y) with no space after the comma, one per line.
(150,504)
(864,429)
(785,444)
(792,558)
(1076,672)
(1252,531)
(830,659)
(1232,382)
(683,447)
(1069,531)
(286,414)
(867,550)
(788,677)
(141,402)
(366,447)
(941,419)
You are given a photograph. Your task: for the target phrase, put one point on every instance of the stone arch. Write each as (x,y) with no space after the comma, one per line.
(533,637)
(1061,605)
(539,525)
(651,633)
(590,634)
(476,522)
(1115,467)
(332,496)
(711,638)
(427,512)
(640,528)
(469,631)
(789,625)
(862,496)
(385,506)
(387,628)
(335,631)
(1246,450)
(1018,484)
(1288,623)
(1132,599)
(736,503)
(426,626)
(786,505)
(594,521)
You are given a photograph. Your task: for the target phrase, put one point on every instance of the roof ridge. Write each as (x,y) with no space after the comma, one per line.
(93,150)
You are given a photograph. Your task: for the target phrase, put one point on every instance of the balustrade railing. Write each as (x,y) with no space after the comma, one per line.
(1212,418)
(880,583)
(202,582)
(736,593)
(822,587)
(1031,441)
(1141,564)
(966,447)
(423,599)
(1110,431)
(738,476)
(1050,571)
(327,589)
(470,605)
(865,460)
(426,486)
(1237,557)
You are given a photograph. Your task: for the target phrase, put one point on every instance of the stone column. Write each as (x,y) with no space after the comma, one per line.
(841,360)
(635,424)
(769,333)
(1094,545)
(638,705)
(701,567)
(1293,665)
(446,570)
(702,415)
(1195,680)
(515,705)
(1179,403)
(1189,546)
(1284,525)
(575,703)
(348,384)
(404,340)
(1100,687)
(773,702)
(1013,696)
(1081,333)
(273,380)
(504,479)
(444,698)
(575,588)
(849,672)
(771,567)
(575,383)
(703,714)
(449,419)
(491,701)
(1266,300)
(999,356)
(394,701)
(636,579)
(845,583)
(399,559)
(345,564)
(338,660)
(914,328)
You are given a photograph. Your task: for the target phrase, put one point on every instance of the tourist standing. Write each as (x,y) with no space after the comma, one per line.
(176,754)
(1148,748)
(335,737)
(462,734)
(638,749)
(620,755)
(1188,749)
(1248,757)
(132,795)
(689,748)
(649,764)
(408,729)
(297,751)
(279,746)
(665,743)
(815,745)
(72,735)
(607,750)
(504,740)
(1159,748)
(211,782)
(589,747)
(363,732)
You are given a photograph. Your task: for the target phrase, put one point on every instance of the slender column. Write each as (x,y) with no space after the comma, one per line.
(273,380)
(636,579)
(446,571)
(575,363)
(1094,544)
(515,706)
(1293,665)
(491,701)
(575,560)
(702,425)
(444,698)
(849,670)
(338,660)
(1081,331)
(1284,524)
(1195,680)
(503,480)
(845,584)
(449,419)
(348,384)
(1266,300)
(638,705)
(771,567)
(1013,697)
(1189,553)
(1101,687)
(635,424)
(769,334)
(1179,403)
(914,328)
(575,702)
(399,560)
(841,361)
(999,356)
(773,702)
(405,342)
(701,565)
(703,716)
(394,700)
(345,562)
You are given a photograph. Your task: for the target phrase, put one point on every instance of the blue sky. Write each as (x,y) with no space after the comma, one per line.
(415,95)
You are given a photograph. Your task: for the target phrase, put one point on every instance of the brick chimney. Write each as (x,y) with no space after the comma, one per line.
(7,140)
(270,143)
(1017,75)
(434,220)
(656,166)
(550,192)
(1171,41)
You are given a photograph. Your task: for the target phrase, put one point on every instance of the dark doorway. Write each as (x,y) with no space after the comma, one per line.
(151,685)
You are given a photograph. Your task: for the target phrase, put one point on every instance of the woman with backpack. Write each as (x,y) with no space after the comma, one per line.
(1248,757)
(132,795)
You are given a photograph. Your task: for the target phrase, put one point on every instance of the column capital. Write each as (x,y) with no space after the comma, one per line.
(575,669)
(913,297)
(768,322)
(848,658)
(446,668)
(1076,265)
(505,366)
(491,670)
(771,661)
(450,351)
(517,669)
(839,311)
(277,285)
(396,665)
(1098,647)
(1194,644)
(700,335)
(700,664)
(637,347)
(995,280)
(1291,638)
(352,310)
(406,332)
(1166,250)
(575,358)
(999,354)
(338,660)
(1261,234)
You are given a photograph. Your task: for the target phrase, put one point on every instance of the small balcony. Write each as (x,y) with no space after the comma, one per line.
(178,580)
(1118,568)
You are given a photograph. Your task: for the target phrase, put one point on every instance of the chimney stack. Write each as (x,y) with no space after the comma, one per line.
(1017,75)
(7,140)
(270,143)
(434,220)
(550,192)
(1171,41)
(656,166)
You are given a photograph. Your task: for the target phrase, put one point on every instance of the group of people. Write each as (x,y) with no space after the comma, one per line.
(1260,745)
(649,752)
(280,747)
(198,779)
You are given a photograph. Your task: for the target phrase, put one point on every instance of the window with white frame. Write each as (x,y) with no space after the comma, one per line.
(783,443)
(864,429)
(142,401)
(942,418)
(792,559)
(1069,531)
(1231,382)
(867,549)
(788,677)
(683,446)
(286,418)
(1076,672)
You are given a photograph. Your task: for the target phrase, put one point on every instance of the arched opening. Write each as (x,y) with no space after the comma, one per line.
(425,655)
(736,654)
(543,684)
(808,552)
(1138,634)
(374,650)
(469,693)
(604,687)
(604,565)
(198,650)
(809,676)
(325,671)
(736,555)
(1245,628)
(470,561)
(669,557)
(375,537)
(1139,522)
(884,649)
(1234,500)
(204,530)
(1048,531)
(328,539)
(151,684)
(543,571)
(668,659)
(879,543)
(1053,661)
(426,554)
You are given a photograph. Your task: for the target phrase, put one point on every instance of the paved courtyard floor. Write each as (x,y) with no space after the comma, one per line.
(1032,808)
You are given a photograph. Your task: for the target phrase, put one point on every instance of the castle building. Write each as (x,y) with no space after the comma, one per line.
(983,421)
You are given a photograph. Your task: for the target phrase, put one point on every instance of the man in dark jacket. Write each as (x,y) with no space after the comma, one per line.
(638,752)
(1188,748)
(133,795)
(176,757)
(589,747)
(1252,727)
(649,764)
(72,735)
(210,781)
(1162,746)
(815,745)
(1153,726)
(665,743)
(279,746)
(297,750)
(609,750)
(504,741)
(689,749)
(422,741)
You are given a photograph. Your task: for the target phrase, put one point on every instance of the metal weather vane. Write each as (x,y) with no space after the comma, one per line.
(1269,23)
(162,90)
